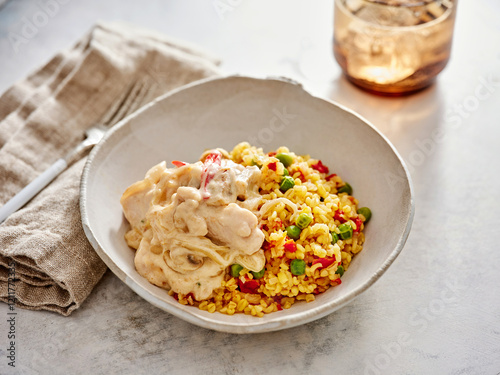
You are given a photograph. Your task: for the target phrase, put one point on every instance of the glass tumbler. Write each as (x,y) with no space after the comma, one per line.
(393,47)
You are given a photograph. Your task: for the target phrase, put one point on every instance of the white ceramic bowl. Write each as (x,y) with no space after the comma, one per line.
(269,113)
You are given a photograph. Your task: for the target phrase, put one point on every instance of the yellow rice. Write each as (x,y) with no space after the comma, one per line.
(313,193)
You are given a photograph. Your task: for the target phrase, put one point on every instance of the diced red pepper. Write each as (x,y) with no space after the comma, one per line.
(320,167)
(249,286)
(272,166)
(210,166)
(338,216)
(328,178)
(266,245)
(325,262)
(213,157)
(178,163)
(337,281)
(302,177)
(358,223)
(290,247)
(272,153)
(279,307)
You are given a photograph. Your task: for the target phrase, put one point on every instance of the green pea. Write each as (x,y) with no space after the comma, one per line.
(293,232)
(366,212)
(340,271)
(298,267)
(287,182)
(258,275)
(235,270)
(345,231)
(304,220)
(285,159)
(285,172)
(335,238)
(345,189)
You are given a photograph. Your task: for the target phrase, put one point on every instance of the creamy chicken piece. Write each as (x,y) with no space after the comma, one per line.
(190,223)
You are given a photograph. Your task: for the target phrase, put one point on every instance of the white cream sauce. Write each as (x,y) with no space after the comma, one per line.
(190,223)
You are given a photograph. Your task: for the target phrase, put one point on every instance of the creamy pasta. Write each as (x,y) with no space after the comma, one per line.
(191,222)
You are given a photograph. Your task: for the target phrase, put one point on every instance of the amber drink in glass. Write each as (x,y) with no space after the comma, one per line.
(393,47)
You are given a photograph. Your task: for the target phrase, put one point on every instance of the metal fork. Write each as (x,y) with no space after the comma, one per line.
(131,99)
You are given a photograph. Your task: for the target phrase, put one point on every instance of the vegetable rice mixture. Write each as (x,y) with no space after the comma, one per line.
(244,231)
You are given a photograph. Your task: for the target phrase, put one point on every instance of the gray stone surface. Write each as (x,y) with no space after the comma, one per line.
(437,309)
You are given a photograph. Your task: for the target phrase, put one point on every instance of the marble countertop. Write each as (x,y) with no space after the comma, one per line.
(435,311)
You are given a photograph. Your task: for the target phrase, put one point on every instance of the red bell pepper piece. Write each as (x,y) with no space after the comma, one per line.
(277,299)
(338,216)
(320,167)
(178,163)
(266,245)
(210,166)
(302,177)
(249,286)
(358,223)
(290,247)
(325,262)
(272,166)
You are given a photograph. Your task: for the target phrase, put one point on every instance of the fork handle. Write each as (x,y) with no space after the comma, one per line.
(23,197)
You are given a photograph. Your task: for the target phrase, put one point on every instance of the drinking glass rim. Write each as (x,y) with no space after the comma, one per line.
(343,8)
(419,4)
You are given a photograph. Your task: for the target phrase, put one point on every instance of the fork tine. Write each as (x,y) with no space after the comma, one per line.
(152,92)
(140,99)
(130,99)
(115,107)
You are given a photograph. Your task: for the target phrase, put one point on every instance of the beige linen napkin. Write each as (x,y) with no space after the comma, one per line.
(45,116)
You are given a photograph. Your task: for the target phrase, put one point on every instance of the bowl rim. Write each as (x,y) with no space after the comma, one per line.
(257,326)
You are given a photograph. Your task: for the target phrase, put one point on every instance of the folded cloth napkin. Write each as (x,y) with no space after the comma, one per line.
(44,117)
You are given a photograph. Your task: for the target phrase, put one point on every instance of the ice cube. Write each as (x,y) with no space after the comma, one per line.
(384,15)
